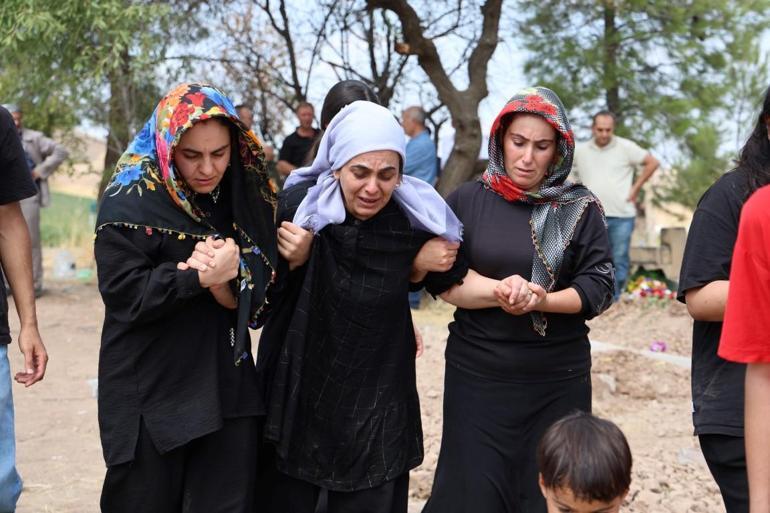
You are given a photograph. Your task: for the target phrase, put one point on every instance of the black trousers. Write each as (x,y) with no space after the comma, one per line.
(291,495)
(212,474)
(491,430)
(726,458)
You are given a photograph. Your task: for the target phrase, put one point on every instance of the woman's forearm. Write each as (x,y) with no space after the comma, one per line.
(563,301)
(757,435)
(475,292)
(224,296)
(707,303)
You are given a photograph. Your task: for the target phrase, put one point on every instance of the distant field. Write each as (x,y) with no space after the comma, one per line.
(68,222)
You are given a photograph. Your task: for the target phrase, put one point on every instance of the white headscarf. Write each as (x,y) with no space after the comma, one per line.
(359,128)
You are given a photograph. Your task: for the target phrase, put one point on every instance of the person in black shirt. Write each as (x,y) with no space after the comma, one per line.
(718,385)
(518,356)
(178,396)
(339,347)
(295,149)
(16,257)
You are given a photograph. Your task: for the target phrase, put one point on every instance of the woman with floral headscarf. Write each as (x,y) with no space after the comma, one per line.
(178,394)
(518,356)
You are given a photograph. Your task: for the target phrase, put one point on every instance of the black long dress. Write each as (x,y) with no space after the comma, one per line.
(504,383)
(343,408)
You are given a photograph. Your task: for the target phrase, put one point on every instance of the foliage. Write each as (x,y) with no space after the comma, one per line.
(68,222)
(67,61)
(57,88)
(666,69)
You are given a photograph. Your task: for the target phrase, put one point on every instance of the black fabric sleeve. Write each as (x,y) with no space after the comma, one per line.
(592,274)
(17,179)
(287,151)
(711,239)
(133,288)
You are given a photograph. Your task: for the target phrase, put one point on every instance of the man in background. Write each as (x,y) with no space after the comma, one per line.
(606,164)
(296,146)
(246,115)
(421,161)
(44,156)
(15,255)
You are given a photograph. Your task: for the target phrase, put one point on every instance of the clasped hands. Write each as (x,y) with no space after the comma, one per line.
(217,262)
(518,296)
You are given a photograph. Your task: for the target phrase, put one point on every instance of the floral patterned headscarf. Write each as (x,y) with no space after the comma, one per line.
(146,192)
(558,204)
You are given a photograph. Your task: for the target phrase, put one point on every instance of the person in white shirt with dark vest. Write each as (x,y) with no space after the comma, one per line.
(607,165)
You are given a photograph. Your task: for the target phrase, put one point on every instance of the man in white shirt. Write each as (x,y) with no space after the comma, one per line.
(606,164)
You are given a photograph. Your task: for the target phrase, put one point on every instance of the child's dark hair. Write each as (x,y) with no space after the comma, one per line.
(587,455)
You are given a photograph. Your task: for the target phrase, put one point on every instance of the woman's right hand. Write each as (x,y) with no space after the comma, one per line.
(436,255)
(518,296)
(294,244)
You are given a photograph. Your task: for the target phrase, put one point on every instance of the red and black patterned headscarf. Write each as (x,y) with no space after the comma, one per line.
(558,204)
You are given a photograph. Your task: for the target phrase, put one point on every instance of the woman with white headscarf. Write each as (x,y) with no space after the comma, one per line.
(338,350)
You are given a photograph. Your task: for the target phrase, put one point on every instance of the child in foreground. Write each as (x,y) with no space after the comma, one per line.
(584,464)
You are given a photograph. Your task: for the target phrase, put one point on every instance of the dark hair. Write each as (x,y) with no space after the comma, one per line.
(341,94)
(588,455)
(344,93)
(604,113)
(304,105)
(754,157)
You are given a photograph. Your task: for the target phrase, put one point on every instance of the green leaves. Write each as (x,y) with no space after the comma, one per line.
(666,68)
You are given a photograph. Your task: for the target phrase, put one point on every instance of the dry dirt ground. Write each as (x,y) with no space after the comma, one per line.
(59,455)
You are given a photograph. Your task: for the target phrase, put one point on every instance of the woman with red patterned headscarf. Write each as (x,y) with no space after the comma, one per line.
(518,356)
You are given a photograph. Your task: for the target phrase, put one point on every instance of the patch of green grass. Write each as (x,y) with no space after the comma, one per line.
(68,221)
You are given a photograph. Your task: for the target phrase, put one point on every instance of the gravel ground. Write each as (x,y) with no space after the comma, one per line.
(59,454)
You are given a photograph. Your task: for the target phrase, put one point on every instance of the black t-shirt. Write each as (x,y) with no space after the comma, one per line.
(497,244)
(295,148)
(17,185)
(717,385)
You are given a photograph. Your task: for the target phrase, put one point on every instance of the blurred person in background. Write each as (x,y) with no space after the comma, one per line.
(297,145)
(44,156)
(607,164)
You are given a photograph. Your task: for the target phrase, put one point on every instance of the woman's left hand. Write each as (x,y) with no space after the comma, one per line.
(420,345)
(517,296)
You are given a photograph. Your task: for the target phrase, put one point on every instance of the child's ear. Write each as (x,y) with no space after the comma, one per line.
(542,484)
(623,496)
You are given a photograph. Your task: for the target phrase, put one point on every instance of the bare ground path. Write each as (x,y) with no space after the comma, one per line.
(59,455)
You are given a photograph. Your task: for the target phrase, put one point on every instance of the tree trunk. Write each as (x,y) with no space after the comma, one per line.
(119,118)
(462,163)
(462,105)
(612,89)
